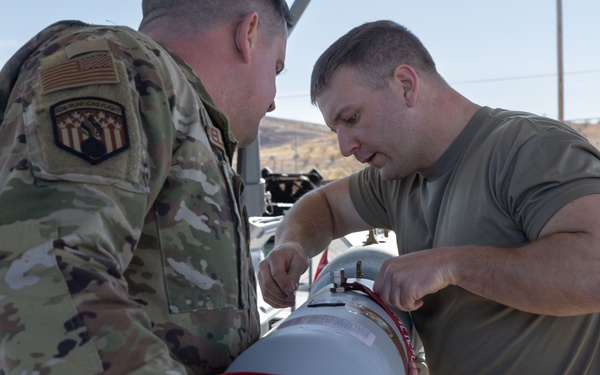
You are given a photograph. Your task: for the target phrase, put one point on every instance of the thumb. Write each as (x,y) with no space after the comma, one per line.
(297,267)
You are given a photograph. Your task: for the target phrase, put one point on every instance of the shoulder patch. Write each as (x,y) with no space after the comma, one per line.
(95,69)
(94,129)
(86,46)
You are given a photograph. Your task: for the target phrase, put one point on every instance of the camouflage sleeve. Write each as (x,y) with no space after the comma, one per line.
(76,181)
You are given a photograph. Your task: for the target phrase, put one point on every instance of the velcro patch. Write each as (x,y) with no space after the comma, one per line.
(215,137)
(95,69)
(94,129)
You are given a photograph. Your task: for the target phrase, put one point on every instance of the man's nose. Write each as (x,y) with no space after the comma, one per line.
(347,144)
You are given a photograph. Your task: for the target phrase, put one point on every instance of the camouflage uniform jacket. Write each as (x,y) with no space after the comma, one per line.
(123,247)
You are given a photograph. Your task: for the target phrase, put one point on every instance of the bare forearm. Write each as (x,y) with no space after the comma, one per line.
(557,275)
(307,229)
(309,224)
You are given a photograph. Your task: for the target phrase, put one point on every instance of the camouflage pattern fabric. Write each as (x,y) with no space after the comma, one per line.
(123,246)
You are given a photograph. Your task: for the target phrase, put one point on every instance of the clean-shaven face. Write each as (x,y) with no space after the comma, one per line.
(371,124)
(268,62)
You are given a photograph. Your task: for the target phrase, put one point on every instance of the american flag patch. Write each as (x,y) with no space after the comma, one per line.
(79,72)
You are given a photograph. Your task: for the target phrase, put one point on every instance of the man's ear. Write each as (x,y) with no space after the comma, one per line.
(246,35)
(405,83)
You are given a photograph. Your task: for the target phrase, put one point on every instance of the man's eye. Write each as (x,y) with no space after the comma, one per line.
(352,119)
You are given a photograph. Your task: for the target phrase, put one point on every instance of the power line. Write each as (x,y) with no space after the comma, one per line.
(513,78)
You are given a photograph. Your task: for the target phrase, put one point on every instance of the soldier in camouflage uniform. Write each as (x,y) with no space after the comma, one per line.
(123,245)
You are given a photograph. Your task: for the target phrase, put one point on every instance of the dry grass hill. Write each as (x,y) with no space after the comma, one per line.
(590,131)
(297,147)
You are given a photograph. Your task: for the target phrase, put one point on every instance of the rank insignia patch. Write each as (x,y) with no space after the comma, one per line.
(215,137)
(94,129)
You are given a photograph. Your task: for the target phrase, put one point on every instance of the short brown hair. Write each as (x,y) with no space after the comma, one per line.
(375,49)
(193,15)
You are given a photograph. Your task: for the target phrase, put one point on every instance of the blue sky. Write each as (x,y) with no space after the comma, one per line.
(496,53)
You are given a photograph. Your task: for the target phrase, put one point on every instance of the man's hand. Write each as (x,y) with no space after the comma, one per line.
(403,281)
(279,275)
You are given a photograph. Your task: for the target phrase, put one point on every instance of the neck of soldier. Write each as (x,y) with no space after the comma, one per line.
(210,53)
(446,113)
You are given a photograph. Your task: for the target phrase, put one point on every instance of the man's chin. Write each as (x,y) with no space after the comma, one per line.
(388,175)
(247,139)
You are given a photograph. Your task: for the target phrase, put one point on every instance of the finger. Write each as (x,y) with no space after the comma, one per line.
(278,302)
(287,267)
(405,298)
(379,279)
(391,289)
(380,286)
(412,368)
(271,292)
(295,270)
(406,306)
(278,287)
(278,270)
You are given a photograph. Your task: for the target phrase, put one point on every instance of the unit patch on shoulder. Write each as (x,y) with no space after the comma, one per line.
(94,129)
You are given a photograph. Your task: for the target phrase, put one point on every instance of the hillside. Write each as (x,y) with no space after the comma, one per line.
(297,147)
(590,131)
(276,132)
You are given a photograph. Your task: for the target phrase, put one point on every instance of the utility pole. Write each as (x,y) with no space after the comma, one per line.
(559,33)
(296,156)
